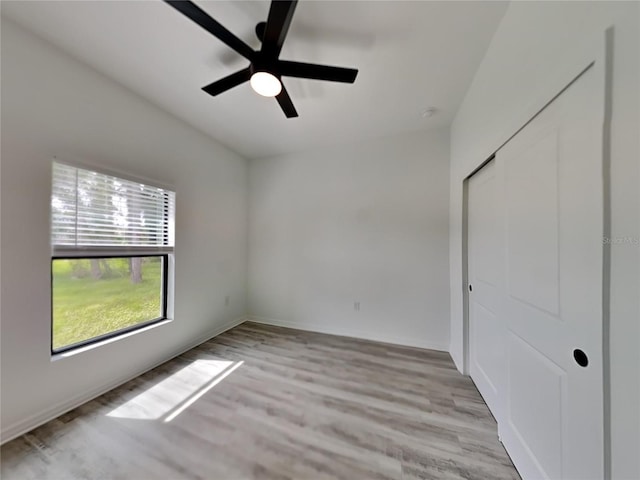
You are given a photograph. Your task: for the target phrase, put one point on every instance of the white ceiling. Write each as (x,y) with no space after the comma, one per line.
(411,55)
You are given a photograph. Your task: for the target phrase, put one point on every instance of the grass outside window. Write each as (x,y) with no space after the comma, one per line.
(99,296)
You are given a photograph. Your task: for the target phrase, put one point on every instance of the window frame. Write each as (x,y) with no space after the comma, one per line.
(165,252)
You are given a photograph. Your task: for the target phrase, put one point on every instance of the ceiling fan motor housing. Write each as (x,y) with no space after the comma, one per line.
(260,65)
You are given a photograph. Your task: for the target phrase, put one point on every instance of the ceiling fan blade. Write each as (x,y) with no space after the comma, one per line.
(199,16)
(228,82)
(317,72)
(280,15)
(286,104)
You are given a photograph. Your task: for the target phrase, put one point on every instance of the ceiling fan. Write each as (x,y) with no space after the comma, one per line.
(266,69)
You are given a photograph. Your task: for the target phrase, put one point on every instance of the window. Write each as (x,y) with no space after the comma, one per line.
(111,241)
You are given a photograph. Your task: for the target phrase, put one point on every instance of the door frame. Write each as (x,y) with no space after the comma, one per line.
(601,61)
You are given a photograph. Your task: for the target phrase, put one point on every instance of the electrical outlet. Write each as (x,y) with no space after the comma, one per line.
(356,306)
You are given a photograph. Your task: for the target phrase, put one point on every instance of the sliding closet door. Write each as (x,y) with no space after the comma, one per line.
(487,363)
(553,298)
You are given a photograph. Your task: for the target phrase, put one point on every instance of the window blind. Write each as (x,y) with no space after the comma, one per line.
(93,211)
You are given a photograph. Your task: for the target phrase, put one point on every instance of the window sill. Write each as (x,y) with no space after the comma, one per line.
(85,348)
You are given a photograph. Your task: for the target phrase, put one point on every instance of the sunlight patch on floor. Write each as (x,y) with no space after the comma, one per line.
(172,393)
(202,391)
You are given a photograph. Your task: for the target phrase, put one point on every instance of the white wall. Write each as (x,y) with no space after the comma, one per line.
(535,50)
(53,105)
(366,222)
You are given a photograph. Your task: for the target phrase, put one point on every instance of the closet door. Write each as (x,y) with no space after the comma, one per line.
(553,198)
(487,363)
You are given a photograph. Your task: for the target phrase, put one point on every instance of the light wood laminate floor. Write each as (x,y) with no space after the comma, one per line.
(273,403)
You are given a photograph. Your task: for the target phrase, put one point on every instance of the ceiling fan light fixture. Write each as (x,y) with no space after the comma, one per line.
(266,84)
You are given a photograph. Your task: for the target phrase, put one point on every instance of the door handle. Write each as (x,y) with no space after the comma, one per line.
(580,357)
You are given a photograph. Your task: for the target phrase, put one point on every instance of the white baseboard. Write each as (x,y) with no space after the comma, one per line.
(33,421)
(345,332)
